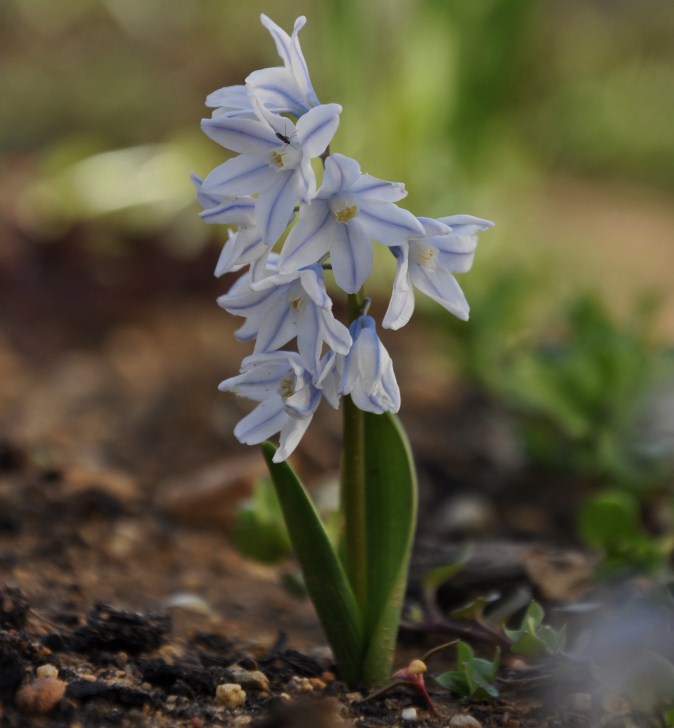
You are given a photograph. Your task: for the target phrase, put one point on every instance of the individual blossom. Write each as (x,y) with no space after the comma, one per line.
(274,160)
(287,398)
(428,264)
(367,370)
(349,210)
(245,246)
(284,307)
(283,89)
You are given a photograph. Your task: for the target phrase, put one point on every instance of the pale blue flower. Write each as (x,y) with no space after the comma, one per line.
(274,160)
(245,246)
(231,101)
(284,307)
(349,210)
(283,89)
(367,370)
(287,399)
(427,263)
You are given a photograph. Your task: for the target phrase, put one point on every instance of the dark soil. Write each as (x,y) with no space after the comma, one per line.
(117,570)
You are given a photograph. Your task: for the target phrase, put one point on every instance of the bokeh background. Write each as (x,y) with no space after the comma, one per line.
(552,118)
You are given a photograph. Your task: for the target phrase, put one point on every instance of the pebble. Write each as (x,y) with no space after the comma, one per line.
(461,720)
(409,714)
(323,656)
(250,679)
(305,685)
(47,671)
(230,695)
(40,696)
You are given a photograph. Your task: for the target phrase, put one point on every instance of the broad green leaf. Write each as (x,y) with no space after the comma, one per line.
(473,676)
(526,644)
(324,575)
(391,507)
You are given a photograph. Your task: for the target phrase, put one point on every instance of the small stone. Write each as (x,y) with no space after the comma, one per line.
(302,685)
(40,696)
(230,695)
(250,679)
(323,656)
(241,721)
(409,714)
(47,671)
(461,720)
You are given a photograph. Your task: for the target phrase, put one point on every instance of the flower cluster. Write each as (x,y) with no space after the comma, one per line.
(276,126)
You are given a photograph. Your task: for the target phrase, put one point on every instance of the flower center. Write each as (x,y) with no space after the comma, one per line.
(426,255)
(287,386)
(285,157)
(343,207)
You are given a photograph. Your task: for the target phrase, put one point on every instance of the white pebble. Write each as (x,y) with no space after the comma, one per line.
(409,714)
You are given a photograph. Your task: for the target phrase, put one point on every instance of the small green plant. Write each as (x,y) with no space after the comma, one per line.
(260,531)
(577,395)
(473,677)
(533,637)
(611,523)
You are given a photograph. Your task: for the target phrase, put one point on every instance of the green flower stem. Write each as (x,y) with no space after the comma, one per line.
(353,489)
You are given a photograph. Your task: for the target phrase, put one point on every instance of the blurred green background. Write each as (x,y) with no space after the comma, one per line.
(552,118)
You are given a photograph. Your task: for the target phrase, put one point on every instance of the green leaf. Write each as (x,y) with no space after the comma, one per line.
(435,578)
(324,575)
(526,644)
(474,611)
(473,676)
(391,507)
(609,519)
(259,530)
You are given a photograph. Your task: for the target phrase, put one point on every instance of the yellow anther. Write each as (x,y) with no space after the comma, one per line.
(426,255)
(287,387)
(346,213)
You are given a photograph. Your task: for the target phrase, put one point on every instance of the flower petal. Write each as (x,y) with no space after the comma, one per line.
(401,305)
(276,329)
(242,175)
(246,136)
(309,239)
(379,189)
(350,255)
(441,286)
(387,223)
(231,211)
(291,434)
(341,173)
(275,206)
(317,127)
(265,420)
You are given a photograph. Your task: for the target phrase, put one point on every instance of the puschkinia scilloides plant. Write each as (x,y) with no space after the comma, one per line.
(277,127)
